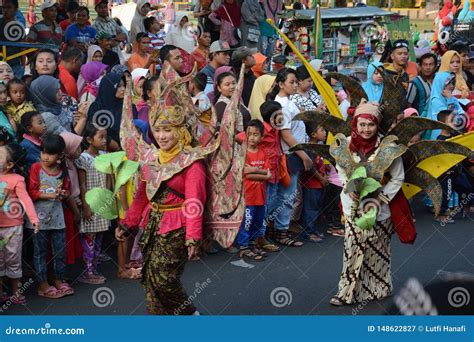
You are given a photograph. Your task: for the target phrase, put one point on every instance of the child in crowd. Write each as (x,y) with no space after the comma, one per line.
(272,118)
(13,198)
(18,105)
(6,72)
(92,225)
(32,130)
(48,187)
(313,183)
(201,100)
(72,214)
(3,94)
(257,173)
(156,32)
(455,179)
(147,100)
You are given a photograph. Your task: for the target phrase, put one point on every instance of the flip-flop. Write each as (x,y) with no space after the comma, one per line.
(51,293)
(18,300)
(66,289)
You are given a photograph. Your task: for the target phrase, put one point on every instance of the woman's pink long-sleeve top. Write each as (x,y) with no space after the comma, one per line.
(191,182)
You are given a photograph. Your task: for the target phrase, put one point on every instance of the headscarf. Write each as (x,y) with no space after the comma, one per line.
(259,68)
(178,127)
(369,111)
(43,92)
(73,141)
(89,77)
(460,81)
(218,72)
(91,52)
(119,69)
(8,65)
(260,89)
(137,75)
(106,102)
(181,37)
(438,102)
(137,25)
(373,91)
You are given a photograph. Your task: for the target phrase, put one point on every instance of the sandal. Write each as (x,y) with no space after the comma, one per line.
(285,240)
(336,301)
(133,264)
(51,293)
(90,278)
(336,232)
(66,289)
(314,238)
(266,245)
(246,253)
(131,273)
(18,300)
(260,252)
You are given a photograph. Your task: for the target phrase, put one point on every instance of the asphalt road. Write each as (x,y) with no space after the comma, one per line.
(295,281)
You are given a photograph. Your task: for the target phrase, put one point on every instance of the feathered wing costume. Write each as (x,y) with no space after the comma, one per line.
(226,159)
(181,110)
(423,161)
(225,204)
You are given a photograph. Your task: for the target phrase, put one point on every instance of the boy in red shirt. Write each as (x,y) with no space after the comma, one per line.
(313,183)
(256,174)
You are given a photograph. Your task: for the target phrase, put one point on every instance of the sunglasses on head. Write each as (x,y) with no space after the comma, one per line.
(401,45)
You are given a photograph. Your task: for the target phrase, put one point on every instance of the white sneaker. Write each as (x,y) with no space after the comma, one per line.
(196,313)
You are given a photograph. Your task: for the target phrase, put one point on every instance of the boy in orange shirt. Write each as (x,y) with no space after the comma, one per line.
(256,174)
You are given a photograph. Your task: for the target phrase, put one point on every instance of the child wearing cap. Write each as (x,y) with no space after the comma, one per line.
(104,40)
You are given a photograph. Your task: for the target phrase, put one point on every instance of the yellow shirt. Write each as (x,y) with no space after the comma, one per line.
(17,112)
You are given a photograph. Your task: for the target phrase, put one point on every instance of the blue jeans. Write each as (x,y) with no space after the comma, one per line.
(252,224)
(285,197)
(313,201)
(272,204)
(58,244)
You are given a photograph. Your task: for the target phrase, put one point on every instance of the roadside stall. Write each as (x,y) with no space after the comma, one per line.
(350,36)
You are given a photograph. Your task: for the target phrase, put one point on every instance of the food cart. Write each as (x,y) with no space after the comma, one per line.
(350,35)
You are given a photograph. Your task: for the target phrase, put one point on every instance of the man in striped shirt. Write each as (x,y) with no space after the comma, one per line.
(155,32)
(103,23)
